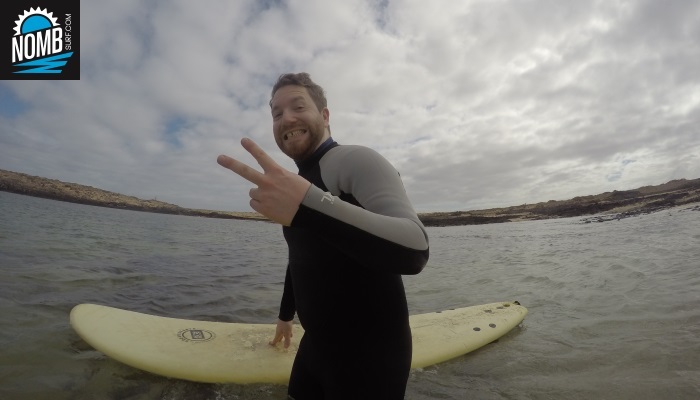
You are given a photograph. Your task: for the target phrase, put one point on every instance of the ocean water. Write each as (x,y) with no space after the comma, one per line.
(614,306)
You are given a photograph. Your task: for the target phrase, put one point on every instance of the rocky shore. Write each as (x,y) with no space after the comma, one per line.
(53,189)
(603,207)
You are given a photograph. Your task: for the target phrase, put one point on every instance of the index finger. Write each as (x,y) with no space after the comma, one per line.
(265,161)
(276,339)
(241,169)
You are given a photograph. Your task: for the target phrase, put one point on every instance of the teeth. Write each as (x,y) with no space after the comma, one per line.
(293,133)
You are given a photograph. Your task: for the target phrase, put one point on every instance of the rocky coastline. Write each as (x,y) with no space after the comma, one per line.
(608,206)
(53,189)
(603,207)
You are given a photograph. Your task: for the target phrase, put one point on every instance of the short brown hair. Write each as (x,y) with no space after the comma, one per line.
(302,79)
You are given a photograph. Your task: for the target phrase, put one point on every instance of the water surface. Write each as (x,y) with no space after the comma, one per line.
(614,306)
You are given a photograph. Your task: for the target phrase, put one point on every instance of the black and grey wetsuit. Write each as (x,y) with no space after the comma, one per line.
(352,238)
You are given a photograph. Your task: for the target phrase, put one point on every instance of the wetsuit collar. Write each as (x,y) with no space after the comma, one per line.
(316,156)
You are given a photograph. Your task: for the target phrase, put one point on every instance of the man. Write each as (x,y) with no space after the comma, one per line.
(351,233)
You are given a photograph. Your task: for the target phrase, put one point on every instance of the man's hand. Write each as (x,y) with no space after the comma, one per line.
(279,191)
(284,331)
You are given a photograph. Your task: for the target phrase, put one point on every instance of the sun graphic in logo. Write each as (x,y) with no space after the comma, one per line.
(34,20)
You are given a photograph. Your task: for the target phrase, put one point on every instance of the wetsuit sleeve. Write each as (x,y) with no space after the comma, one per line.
(385,232)
(287,306)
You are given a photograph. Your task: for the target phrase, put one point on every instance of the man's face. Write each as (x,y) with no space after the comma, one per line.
(299,127)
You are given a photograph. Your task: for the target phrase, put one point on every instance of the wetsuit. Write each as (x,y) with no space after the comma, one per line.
(354,235)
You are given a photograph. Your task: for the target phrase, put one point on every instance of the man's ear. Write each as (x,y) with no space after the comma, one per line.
(326,115)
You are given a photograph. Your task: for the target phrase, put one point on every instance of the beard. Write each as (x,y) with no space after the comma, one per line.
(302,145)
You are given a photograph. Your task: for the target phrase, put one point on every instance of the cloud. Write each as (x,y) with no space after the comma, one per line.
(477,103)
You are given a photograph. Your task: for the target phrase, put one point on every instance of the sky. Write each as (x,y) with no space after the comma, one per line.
(477,103)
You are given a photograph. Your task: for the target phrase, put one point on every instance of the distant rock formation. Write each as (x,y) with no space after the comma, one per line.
(615,205)
(53,189)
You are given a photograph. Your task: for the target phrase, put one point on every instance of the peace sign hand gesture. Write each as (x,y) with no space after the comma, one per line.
(279,192)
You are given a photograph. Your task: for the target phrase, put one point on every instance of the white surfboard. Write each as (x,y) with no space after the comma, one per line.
(218,352)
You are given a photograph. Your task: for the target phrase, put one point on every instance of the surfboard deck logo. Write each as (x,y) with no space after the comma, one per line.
(196,335)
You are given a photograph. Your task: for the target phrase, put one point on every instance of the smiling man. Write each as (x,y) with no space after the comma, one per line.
(351,233)
(299,124)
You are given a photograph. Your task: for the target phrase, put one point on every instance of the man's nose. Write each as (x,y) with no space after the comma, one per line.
(288,116)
